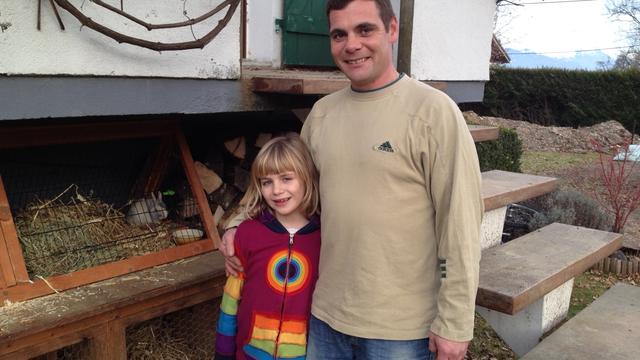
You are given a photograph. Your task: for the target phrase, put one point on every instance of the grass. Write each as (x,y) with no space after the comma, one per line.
(586,288)
(549,163)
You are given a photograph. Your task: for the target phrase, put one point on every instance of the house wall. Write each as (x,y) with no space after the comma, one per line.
(452,40)
(82,51)
(264,39)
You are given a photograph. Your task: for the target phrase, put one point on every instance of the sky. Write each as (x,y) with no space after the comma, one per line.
(560,25)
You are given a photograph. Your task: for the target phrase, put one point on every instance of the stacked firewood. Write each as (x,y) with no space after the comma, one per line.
(225,176)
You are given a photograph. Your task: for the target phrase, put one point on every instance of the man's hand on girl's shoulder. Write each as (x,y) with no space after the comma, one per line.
(232,264)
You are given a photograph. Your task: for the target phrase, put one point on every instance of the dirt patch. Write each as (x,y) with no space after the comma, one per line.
(568,154)
(556,138)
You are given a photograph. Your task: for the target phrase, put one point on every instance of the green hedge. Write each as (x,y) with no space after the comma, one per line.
(501,154)
(564,97)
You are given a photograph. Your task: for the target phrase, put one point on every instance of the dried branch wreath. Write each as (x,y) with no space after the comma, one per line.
(158,46)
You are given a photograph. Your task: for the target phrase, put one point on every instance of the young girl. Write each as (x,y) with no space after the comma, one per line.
(265,310)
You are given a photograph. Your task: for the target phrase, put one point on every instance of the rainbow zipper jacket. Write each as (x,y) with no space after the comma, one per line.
(265,310)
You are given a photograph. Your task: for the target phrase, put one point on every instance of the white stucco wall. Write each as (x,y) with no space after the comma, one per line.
(81,51)
(452,39)
(264,43)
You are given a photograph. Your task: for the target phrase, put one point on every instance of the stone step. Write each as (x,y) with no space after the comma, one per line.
(500,188)
(516,274)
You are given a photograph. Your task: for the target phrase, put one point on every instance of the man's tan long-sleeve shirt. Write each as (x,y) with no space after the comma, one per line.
(400,193)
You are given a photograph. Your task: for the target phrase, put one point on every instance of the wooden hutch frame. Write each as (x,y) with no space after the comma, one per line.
(15,284)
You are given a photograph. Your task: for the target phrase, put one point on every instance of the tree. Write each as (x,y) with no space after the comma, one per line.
(628,59)
(629,11)
(502,19)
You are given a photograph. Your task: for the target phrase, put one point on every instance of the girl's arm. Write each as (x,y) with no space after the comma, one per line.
(228,319)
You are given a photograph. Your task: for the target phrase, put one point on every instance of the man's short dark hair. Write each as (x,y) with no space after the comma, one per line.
(384,8)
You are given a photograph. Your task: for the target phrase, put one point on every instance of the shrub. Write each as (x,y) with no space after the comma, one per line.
(501,154)
(568,207)
(564,97)
(622,187)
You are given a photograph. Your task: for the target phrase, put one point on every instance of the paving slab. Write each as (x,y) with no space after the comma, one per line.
(609,328)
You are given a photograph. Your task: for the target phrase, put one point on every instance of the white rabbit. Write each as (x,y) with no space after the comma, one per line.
(147,211)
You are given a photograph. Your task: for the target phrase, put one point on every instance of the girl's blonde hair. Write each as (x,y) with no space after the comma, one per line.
(279,155)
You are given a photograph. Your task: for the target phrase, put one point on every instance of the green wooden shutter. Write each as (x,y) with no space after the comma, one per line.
(306,34)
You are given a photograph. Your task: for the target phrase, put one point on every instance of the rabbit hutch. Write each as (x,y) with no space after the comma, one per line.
(127,131)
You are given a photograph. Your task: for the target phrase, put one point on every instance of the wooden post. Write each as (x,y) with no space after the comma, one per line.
(405,40)
(108,342)
(196,188)
(12,263)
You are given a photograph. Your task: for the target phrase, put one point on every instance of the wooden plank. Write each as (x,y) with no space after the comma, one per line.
(303,82)
(118,298)
(180,300)
(5,212)
(7,278)
(276,85)
(609,328)
(484,133)
(154,170)
(16,272)
(440,85)
(522,271)
(500,188)
(39,288)
(206,216)
(71,328)
(49,345)
(108,342)
(31,136)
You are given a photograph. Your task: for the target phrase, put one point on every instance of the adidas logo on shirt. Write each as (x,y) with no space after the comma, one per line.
(385,146)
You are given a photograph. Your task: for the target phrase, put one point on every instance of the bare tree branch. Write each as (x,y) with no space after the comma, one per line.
(39,14)
(55,11)
(158,46)
(163,26)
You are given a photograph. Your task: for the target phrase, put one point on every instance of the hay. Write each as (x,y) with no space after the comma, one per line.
(157,339)
(61,236)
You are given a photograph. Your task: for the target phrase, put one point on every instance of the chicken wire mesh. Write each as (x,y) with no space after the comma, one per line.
(187,334)
(79,206)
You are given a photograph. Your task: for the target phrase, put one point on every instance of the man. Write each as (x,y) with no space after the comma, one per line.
(401,204)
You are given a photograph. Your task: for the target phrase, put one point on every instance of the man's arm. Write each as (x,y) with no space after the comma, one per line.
(232,264)
(453,175)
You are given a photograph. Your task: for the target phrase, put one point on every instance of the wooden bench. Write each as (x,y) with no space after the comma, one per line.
(501,188)
(525,284)
(609,328)
(101,312)
(484,133)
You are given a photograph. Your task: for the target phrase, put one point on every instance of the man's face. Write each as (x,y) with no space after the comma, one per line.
(360,45)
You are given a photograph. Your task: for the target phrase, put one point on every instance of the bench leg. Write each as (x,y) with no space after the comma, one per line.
(491,227)
(108,342)
(523,330)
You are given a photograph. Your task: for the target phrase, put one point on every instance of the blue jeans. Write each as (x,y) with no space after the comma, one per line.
(326,343)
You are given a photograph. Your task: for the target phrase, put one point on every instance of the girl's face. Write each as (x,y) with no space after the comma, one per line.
(284,193)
